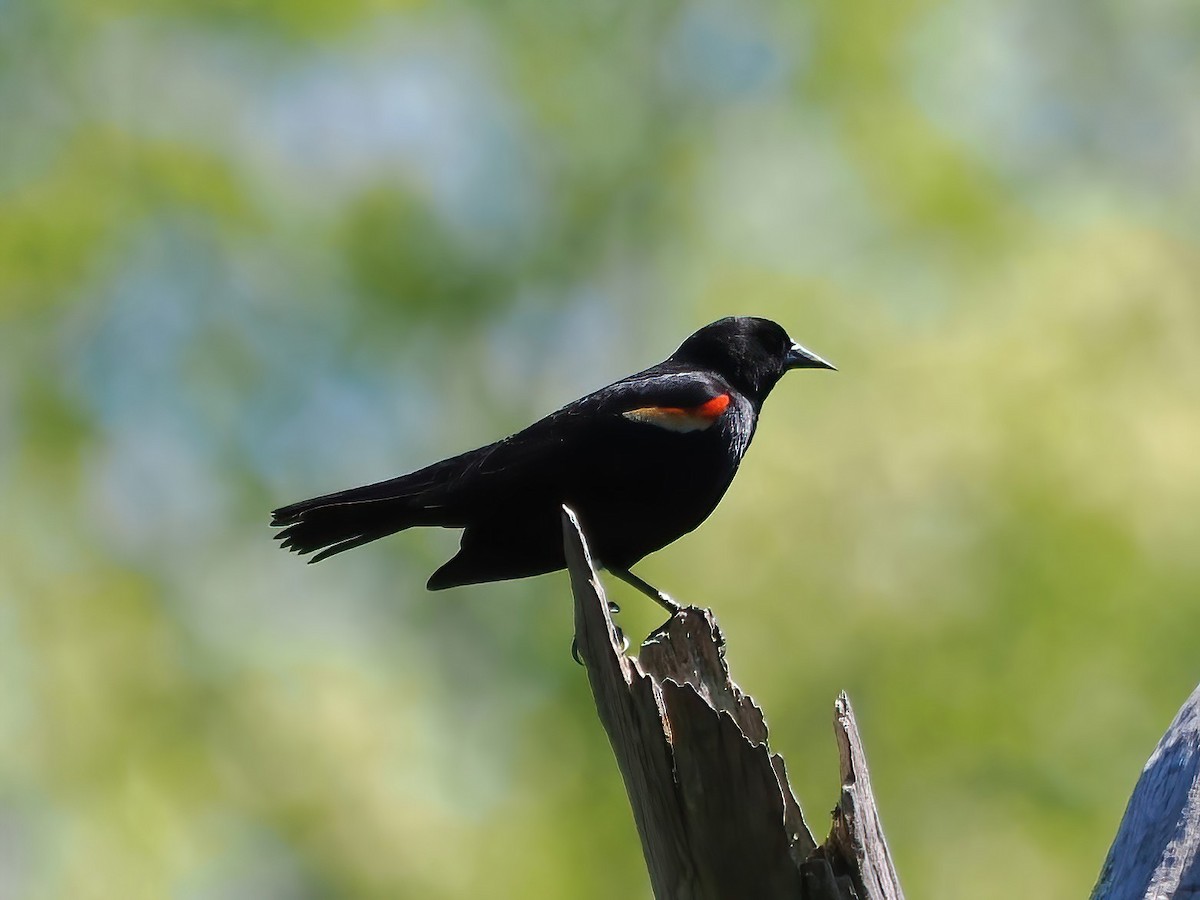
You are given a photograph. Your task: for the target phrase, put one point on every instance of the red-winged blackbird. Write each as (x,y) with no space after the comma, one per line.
(642,462)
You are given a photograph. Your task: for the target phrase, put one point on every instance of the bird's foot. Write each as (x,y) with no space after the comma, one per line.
(667,602)
(613,609)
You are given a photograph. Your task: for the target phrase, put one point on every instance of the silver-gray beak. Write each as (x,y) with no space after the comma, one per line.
(802,358)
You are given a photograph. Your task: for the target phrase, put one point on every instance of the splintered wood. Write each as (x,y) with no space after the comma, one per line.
(712,804)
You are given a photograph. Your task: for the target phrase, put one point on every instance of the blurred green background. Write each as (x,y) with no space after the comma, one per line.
(253,251)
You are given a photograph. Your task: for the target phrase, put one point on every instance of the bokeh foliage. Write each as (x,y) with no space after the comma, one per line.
(251,251)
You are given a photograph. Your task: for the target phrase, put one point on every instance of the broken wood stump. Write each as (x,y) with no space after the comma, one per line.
(712,804)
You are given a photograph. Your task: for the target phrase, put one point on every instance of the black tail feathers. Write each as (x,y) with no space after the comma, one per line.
(337,522)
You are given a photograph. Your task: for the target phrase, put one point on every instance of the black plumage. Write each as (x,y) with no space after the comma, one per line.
(641,461)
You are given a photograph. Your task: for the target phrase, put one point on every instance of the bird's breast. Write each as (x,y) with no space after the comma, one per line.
(656,485)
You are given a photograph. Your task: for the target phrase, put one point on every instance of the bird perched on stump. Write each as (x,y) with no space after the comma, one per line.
(642,462)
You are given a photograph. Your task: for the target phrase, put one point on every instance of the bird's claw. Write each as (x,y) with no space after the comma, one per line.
(669,603)
(612,608)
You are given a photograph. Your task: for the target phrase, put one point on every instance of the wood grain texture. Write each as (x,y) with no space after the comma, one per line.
(1155,853)
(713,807)
(857,831)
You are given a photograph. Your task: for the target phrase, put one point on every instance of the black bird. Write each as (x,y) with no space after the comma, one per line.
(642,462)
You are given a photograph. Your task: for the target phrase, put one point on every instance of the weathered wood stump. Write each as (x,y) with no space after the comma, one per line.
(712,804)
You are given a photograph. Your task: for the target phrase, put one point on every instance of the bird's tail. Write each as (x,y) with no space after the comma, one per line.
(336,522)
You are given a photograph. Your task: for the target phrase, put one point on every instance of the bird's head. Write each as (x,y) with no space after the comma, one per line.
(752,354)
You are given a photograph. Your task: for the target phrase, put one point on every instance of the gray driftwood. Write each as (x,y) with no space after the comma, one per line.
(1155,853)
(713,807)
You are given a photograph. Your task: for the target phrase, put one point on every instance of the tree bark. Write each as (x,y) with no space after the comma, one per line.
(712,804)
(1155,853)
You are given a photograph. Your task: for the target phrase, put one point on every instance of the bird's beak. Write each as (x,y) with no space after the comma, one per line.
(802,358)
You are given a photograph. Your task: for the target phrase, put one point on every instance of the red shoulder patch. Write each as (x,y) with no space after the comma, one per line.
(713,407)
(680,418)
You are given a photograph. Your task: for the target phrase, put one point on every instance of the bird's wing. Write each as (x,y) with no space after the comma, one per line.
(587,442)
(565,446)
(678,401)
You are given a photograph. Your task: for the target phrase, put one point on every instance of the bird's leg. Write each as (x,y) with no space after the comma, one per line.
(648,589)
(644,587)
